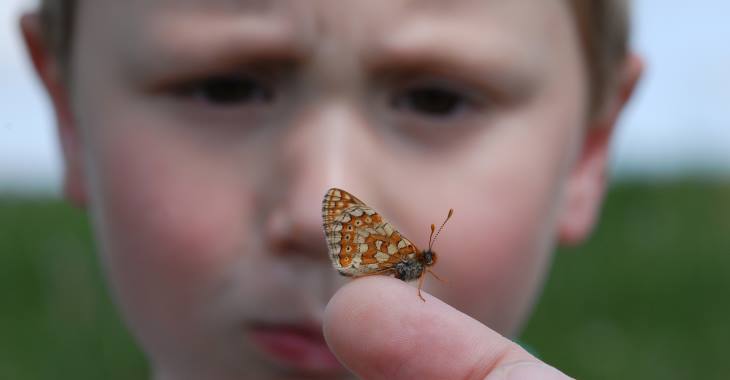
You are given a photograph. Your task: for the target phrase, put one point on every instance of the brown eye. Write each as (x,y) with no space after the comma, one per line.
(230,90)
(433,101)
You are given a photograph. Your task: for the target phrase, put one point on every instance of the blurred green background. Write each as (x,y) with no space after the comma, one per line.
(645,298)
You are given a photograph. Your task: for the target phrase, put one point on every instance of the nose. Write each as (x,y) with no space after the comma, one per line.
(315,153)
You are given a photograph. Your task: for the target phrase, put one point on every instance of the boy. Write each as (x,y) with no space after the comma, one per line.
(202,136)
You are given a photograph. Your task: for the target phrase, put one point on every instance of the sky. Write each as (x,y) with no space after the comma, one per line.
(678,122)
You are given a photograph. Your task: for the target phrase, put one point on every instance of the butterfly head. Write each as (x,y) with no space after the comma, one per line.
(428,257)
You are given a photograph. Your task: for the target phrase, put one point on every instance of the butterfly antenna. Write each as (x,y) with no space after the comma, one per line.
(430,240)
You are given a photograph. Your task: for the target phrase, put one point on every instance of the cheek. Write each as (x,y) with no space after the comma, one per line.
(169,219)
(498,252)
(497,246)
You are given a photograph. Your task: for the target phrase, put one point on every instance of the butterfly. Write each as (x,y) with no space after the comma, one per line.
(361,242)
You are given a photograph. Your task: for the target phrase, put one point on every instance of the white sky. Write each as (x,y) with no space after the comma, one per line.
(678,122)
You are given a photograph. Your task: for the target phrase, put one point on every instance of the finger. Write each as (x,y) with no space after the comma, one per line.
(379,329)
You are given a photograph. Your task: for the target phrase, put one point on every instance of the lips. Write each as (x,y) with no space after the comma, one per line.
(295,346)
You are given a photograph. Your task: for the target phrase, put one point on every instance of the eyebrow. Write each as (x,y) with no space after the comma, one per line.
(176,40)
(436,56)
(255,6)
(441,52)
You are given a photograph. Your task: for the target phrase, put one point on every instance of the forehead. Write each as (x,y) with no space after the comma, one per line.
(488,16)
(499,33)
(269,5)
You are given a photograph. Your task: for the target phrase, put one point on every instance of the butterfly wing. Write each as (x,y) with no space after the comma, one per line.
(359,240)
(334,203)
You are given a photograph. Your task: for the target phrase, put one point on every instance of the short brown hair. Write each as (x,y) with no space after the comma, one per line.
(604,28)
(57,24)
(603,25)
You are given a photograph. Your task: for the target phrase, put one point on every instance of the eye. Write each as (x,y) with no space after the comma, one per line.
(431,101)
(230,90)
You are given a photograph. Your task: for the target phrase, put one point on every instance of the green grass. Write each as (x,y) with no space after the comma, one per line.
(56,321)
(649,296)
(646,298)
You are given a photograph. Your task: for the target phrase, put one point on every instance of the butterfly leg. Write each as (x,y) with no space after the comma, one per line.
(420,285)
(437,277)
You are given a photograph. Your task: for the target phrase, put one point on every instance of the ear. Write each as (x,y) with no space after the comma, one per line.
(587,182)
(50,72)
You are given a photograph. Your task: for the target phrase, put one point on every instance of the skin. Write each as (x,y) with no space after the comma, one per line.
(207,212)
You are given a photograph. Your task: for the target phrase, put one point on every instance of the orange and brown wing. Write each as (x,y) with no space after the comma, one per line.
(359,240)
(334,203)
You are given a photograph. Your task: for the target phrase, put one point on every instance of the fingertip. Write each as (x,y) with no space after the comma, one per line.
(361,301)
(369,321)
(378,327)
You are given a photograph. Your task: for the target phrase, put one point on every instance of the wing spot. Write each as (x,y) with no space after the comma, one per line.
(381,257)
(345,261)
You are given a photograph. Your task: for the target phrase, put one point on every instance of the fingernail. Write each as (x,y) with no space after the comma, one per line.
(527,371)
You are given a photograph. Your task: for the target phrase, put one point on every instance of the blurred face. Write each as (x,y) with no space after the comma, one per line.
(210,131)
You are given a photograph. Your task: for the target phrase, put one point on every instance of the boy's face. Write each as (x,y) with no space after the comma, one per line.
(209,131)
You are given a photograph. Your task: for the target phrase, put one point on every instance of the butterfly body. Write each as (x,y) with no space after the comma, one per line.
(361,242)
(409,270)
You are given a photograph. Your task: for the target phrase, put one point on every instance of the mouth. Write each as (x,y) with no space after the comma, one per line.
(300,347)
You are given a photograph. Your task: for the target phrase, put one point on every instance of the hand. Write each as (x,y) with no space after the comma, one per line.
(379,329)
